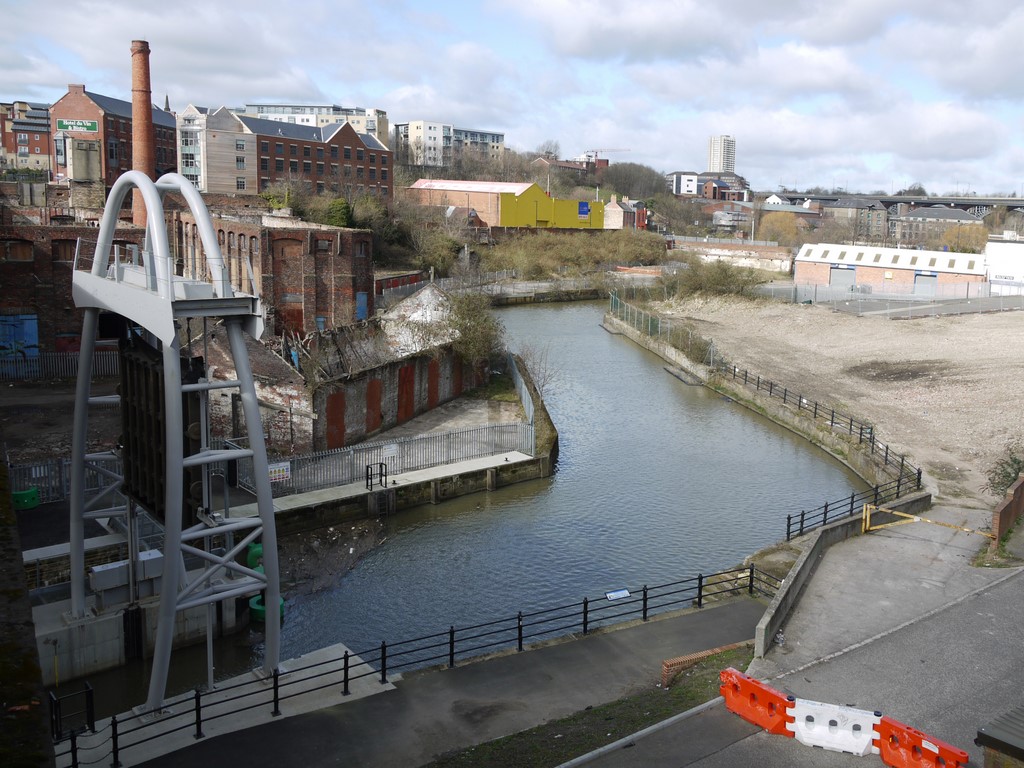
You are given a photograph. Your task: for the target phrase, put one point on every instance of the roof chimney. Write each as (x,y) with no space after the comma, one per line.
(143,136)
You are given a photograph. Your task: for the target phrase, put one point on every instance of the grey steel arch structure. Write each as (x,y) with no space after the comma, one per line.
(146,291)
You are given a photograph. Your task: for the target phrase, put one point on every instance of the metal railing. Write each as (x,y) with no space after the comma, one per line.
(344,466)
(88,745)
(55,365)
(830,512)
(52,477)
(521,389)
(906,476)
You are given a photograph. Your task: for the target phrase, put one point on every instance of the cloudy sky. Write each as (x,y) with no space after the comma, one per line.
(860,94)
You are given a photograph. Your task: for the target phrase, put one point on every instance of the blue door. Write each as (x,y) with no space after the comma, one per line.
(361,305)
(19,336)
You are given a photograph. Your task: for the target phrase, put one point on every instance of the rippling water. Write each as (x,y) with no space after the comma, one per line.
(656,480)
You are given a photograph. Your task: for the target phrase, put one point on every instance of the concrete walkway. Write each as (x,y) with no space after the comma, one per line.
(897,621)
(429,713)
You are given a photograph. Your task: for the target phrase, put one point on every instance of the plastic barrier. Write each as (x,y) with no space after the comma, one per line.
(901,746)
(834,727)
(756,702)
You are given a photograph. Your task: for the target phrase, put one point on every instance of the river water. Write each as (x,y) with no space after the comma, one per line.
(656,481)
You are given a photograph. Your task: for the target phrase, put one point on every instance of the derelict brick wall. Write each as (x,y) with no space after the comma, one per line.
(449,367)
(42,286)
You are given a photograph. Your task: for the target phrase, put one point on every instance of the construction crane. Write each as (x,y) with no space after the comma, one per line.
(591,155)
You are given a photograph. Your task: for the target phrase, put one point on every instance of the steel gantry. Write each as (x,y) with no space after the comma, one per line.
(142,286)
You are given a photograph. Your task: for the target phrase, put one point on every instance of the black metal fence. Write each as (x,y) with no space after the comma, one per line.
(89,745)
(829,512)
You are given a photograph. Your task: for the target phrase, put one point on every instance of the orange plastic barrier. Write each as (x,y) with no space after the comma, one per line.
(901,746)
(756,702)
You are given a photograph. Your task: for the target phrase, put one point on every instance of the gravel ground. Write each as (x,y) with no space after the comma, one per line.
(943,390)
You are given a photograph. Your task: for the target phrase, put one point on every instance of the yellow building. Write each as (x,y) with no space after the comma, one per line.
(511,205)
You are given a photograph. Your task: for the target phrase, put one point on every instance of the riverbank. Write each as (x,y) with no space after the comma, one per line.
(943,390)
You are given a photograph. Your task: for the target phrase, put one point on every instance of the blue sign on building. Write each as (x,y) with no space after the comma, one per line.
(584,209)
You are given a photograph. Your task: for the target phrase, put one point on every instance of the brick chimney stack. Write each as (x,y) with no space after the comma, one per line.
(143,135)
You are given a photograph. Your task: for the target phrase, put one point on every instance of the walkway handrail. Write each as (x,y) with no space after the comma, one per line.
(446,648)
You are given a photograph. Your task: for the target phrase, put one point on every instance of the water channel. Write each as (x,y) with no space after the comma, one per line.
(656,481)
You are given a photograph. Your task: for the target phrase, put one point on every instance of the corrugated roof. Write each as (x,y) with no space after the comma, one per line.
(496,187)
(1005,734)
(122,108)
(941,212)
(893,258)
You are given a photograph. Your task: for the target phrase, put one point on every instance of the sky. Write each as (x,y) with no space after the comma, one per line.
(863,95)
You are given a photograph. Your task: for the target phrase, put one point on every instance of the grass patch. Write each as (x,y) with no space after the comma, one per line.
(556,742)
(500,388)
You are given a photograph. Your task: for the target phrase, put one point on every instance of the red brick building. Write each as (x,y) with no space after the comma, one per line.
(310,276)
(81,120)
(229,154)
(37,313)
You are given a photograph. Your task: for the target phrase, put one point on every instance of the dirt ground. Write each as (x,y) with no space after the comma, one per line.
(943,390)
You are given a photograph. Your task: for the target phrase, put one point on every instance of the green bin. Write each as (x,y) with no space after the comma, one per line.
(28,499)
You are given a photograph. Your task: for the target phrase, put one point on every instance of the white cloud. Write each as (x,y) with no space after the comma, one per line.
(865,89)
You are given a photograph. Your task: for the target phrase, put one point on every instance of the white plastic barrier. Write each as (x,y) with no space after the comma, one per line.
(834,727)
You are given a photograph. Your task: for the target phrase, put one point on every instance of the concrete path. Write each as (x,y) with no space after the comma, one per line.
(430,713)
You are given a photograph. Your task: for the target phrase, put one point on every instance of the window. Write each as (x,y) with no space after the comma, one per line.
(240,182)
(334,150)
(23,138)
(279,165)
(348,153)
(293,150)
(970,264)
(239,162)
(319,169)
(334,169)
(264,163)
(319,153)
(359,172)
(860,255)
(383,159)
(896,259)
(383,174)
(931,262)
(913,260)
(323,245)
(952,263)
(373,159)
(361,250)
(824,254)
(239,145)
(842,255)
(359,153)
(348,172)
(265,147)
(373,174)
(307,151)
(112,150)
(307,166)
(293,166)
(319,187)
(878,257)
(278,148)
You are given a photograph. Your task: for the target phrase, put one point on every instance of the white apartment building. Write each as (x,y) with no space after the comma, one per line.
(363,120)
(721,154)
(423,142)
(683,183)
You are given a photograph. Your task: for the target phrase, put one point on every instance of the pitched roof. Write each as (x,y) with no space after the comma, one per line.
(447,185)
(122,108)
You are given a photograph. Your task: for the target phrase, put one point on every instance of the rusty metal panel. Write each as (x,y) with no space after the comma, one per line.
(406,393)
(336,419)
